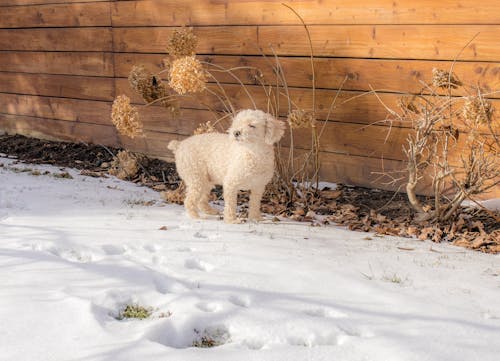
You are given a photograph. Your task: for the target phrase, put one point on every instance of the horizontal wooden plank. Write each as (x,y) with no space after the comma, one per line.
(67,39)
(435,42)
(350,106)
(395,75)
(223,12)
(75,110)
(56,15)
(6,3)
(58,129)
(79,87)
(335,167)
(70,63)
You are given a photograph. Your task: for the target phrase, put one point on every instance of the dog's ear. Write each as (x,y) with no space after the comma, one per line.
(274,129)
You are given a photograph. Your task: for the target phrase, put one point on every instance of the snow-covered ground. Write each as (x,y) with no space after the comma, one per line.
(73,252)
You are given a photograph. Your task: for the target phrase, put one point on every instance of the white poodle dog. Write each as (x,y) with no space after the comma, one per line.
(243,159)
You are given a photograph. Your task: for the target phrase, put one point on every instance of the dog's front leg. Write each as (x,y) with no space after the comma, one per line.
(230,200)
(254,203)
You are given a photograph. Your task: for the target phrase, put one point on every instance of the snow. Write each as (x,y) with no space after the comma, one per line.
(73,252)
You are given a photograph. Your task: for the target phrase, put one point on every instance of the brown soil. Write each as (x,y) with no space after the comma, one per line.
(362,209)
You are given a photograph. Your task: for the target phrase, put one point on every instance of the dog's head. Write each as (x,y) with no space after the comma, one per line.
(254,126)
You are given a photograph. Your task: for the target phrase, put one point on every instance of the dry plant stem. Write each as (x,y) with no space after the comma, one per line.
(332,107)
(235,77)
(229,105)
(315,139)
(169,97)
(280,77)
(311,56)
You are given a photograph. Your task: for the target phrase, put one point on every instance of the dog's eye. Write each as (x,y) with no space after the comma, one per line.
(251,126)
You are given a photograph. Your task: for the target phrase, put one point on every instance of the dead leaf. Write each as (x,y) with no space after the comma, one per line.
(425,233)
(331,194)
(411,231)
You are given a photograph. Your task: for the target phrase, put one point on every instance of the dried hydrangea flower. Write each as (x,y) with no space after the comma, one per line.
(299,118)
(187,75)
(125,117)
(151,88)
(205,128)
(182,42)
(477,110)
(443,79)
(124,165)
(175,196)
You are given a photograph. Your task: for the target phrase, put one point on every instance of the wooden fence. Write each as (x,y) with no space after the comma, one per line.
(62,62)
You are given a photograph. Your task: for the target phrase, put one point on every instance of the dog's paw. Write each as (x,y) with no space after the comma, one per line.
(233,220)
(258,218)
(211,211)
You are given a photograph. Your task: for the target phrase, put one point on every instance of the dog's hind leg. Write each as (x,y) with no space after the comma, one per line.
(193,194)
(203,201)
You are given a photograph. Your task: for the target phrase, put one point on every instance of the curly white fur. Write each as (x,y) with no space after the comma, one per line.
(243,159)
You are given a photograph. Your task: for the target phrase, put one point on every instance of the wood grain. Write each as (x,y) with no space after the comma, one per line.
(350,106)
(97,112)
(226,12)
(434,42)
(360,74)
(56,15)
(64,39)
(77,87)
(8,3)
(69,63)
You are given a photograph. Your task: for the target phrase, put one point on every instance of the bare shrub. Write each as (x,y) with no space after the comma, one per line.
(438,121)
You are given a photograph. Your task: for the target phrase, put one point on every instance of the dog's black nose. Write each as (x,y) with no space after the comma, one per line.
(237,133)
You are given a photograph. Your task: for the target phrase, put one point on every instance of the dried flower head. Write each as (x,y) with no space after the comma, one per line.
(187,75)
(182,42)
(299,118)
(151,88)
(125,117)
(443,79)
(205,128)
(477,110)
(175,196)
(124,165)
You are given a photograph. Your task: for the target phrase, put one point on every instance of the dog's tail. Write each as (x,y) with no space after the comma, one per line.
(173,145)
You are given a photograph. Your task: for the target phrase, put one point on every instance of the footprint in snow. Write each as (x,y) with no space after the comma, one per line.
(152,247)
(194,263)
(113,250)
(240,300)
(73,255)
(209,306)
(166,285)
(185,249)
(324,312)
